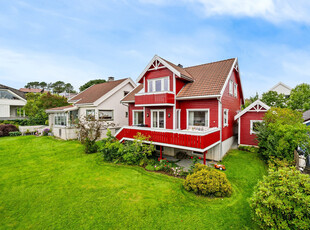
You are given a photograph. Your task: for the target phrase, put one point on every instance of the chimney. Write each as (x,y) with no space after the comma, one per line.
(110,78)
(180,65)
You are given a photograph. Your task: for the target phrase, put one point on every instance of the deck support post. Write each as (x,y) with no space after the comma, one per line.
(204,157)
(161,152)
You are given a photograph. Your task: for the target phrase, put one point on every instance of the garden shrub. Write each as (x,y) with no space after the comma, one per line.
(208,182)
(282,200)
(132,153)
(6,129)
(14,134)
(281,132)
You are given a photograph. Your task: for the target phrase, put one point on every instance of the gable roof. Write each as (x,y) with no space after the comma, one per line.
(257,106)
(209,79)
(282,84)
(179,71)
(95,92)
(306,115)
(17,92)
(130,97)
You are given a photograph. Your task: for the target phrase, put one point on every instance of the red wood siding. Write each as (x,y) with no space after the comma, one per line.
(179,84)
(158,98)
(211,104)
(233,104)
(131,107)
(246,138)
(158,74)
(193,141)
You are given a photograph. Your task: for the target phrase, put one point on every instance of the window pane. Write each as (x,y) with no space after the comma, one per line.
(154,119)
(106,114)
(138,117)
(177,125)
(158,85)
(150,86)
(7,95)
(166,84)
(256,126)
(161,119)
(198,118)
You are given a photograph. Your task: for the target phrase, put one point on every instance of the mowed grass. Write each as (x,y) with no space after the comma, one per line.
(51,184)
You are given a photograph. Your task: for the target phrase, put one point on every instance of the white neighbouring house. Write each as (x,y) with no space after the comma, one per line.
(11,103)
(282,88)
(100,100)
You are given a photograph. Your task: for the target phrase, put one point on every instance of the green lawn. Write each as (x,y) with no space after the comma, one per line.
(50,184)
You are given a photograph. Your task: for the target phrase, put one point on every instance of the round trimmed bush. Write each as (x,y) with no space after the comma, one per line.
(282,200)
(208,182)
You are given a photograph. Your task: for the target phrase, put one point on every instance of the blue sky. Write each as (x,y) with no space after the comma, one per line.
(76,41)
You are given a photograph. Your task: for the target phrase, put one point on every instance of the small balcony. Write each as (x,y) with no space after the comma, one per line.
(154,99)
(182,139)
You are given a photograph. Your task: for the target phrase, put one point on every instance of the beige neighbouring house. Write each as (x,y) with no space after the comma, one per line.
(11,103)
(101,100)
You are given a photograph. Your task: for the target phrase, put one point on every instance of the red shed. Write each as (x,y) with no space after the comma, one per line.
(247,119)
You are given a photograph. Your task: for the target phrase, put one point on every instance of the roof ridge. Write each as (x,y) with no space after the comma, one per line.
(112,81)
(209,63)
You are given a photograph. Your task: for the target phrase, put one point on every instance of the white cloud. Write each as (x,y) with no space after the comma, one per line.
(271,10)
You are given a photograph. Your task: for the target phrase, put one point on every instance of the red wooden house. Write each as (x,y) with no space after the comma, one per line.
(188,109)
(247,122)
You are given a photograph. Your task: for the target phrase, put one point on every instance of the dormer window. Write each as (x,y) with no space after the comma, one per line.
(158,84)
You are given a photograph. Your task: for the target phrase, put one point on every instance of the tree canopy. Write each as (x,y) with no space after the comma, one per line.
(273,99)
(56,87)
(90,83)
(300,97)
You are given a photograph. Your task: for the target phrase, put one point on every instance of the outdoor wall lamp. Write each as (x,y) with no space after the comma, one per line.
(147,114)
(169,115)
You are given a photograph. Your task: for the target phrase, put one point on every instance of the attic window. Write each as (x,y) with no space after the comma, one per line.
(125,93)
(225,117)
(231,87)
(235,90)
(158,84)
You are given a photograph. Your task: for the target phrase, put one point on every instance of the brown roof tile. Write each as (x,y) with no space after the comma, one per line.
(131,95)
(30,90)
(180,69)
(94,92)
(209,78)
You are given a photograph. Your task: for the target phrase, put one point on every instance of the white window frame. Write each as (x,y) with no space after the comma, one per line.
(61,115)
(235,90)
(152,81)
(231,87)
(197,110)
(110,110)
(133,116)
(158,110)
(251,125)
(227,122)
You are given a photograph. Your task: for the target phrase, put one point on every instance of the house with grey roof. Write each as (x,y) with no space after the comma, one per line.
(11,103)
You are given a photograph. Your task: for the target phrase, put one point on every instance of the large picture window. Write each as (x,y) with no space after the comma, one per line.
(198,118)
(60,119)
(158,119)
(106,115)
(138,117)
(158,84)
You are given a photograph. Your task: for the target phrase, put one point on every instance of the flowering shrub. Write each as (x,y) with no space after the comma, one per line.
(208,182)
(195,160)
(45,132)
